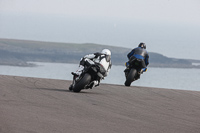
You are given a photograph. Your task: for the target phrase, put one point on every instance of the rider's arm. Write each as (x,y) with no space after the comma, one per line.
(147,60)
(92,56)
(130,54)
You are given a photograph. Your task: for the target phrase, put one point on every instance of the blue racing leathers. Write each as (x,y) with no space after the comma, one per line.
(140,53)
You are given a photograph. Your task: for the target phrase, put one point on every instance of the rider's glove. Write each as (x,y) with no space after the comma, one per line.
(144,69)
(127,64)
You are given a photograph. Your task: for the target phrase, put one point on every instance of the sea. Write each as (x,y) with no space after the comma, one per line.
(169,78)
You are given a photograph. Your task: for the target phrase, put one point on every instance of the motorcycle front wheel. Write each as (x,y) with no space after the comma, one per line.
(81,83)
(130,78)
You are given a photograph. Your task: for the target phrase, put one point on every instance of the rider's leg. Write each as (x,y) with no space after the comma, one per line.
(80,68)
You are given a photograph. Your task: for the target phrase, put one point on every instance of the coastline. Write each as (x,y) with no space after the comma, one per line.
(19,52)
(32,64)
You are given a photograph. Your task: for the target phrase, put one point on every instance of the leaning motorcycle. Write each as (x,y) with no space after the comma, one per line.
(92,71)
(134,70)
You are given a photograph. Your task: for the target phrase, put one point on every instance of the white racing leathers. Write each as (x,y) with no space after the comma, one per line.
(102,59)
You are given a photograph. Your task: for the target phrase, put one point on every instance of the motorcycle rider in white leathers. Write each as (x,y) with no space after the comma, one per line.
(103,58)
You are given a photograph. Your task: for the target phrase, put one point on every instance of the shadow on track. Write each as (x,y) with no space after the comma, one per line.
(50,89)
(61,90)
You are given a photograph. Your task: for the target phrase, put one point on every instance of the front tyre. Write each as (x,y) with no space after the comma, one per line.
(79,85)
(130,78)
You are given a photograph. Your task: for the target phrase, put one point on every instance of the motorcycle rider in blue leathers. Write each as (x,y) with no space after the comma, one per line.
(140,53)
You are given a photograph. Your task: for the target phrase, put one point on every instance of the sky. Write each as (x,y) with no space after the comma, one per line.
(169,27)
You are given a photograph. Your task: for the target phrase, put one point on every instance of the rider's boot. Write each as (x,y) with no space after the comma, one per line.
(127,64)
(79,71)
(94,83)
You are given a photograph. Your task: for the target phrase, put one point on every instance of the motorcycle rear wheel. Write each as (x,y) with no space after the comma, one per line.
(130,78)
(82,83)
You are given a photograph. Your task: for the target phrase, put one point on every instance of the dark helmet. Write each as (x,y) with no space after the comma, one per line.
(142,45)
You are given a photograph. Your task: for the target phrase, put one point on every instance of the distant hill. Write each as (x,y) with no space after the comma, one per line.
(19,52)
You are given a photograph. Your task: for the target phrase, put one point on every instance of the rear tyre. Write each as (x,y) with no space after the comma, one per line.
(82,83)
(130,77)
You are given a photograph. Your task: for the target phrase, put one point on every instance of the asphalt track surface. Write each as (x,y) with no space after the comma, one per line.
(34,105)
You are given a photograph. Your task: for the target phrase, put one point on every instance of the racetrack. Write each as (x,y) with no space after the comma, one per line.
(35,105)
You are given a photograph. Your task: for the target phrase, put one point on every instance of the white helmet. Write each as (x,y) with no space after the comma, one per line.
(106,52)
